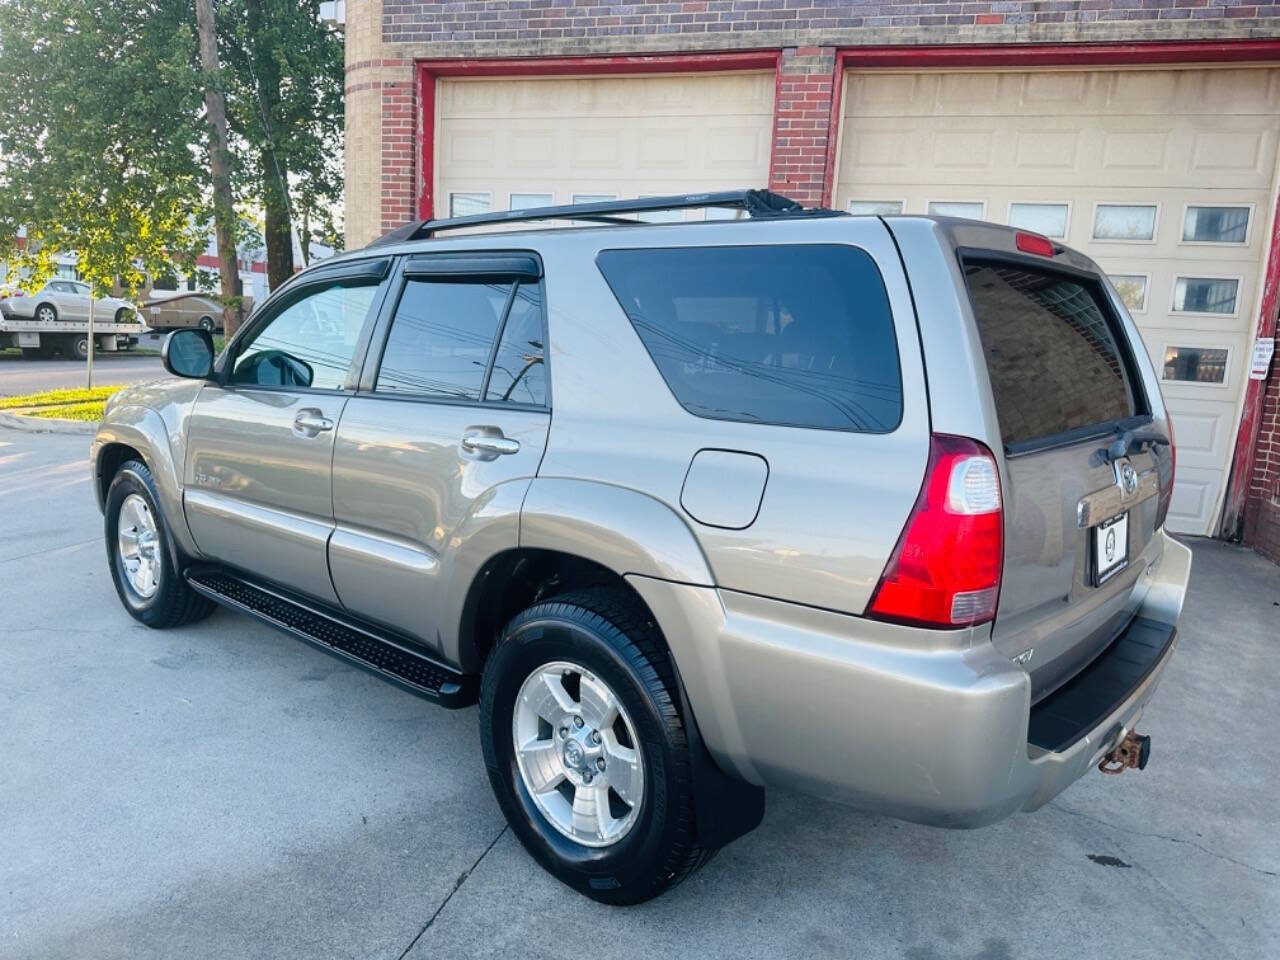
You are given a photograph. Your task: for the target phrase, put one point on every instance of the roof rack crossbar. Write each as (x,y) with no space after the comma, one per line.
(757,203)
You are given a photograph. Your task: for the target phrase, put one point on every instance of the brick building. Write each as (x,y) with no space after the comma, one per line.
(1144,132)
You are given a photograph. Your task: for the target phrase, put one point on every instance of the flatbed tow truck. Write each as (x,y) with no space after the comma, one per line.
(40,340)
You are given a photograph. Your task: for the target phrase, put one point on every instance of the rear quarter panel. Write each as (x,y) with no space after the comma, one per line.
(834,503)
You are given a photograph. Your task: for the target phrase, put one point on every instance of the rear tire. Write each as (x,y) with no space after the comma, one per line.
(602,639)
(46,313)
(77,346)
(138,550)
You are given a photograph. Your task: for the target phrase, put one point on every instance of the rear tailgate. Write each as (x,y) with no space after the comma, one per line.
(1033,355)
(1066,377)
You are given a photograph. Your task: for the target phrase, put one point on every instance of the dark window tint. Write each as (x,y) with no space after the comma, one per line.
(441,338)
(519,369)
(1053,359)
(794,335)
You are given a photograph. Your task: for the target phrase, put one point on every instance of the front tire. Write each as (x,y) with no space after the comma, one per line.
(605,804)
(149,585)
(206,324)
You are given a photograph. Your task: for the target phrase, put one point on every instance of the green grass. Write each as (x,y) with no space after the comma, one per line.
(89,411)
(78,395)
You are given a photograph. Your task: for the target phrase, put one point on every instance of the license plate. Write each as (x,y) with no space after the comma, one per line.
(1110,547)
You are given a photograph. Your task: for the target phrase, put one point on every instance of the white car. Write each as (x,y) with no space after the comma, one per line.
(67,300)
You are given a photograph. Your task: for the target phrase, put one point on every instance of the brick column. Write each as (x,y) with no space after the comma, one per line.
(802,109)
(380,129)
(1262,508)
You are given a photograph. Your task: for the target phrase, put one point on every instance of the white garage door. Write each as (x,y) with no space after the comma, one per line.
(510,143)
(1165,177)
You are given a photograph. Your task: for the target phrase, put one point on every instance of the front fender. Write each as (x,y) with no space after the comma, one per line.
(621,529)
(162,447)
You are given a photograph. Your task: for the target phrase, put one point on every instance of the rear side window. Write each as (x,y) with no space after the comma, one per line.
(793,335)
(1052,353)
(441,339)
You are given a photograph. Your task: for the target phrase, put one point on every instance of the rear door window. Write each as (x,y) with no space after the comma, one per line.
(796,335)
(1055,361)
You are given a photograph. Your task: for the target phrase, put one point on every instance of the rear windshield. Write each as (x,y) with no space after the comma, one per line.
(1051,350)
(798,335)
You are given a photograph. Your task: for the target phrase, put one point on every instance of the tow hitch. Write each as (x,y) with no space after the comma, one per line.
(1134,751)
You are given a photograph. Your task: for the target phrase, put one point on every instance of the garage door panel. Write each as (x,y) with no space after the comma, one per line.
(1163,138)
(609,136)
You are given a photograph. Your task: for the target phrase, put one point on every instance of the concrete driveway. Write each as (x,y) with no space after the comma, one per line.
(224,791)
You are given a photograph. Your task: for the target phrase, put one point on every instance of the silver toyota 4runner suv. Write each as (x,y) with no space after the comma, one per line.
(866,507)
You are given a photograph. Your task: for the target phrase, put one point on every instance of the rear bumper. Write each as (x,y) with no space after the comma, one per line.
(855,711)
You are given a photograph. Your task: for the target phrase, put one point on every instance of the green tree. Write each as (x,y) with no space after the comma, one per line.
(100,138)
(285,107)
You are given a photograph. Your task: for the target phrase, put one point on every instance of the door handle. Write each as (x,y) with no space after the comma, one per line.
(476,441)
(311,422)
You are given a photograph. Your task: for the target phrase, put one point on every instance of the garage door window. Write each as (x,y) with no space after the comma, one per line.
(1115,221)
(1132,288)
(795,335)
(466,204)
(528,201)
(1215,225)
(969,209)
(1055,364)
(876,208)
(1046,219)
(1195,364)
(1205,295)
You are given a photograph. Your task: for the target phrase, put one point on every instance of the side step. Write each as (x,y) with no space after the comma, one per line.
(380,653)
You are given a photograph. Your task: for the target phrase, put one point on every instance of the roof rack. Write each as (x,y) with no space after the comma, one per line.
(758,204)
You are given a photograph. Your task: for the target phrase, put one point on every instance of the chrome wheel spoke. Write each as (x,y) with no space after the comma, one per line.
(137,542)
(540,761)
(550,700)
(591,812)
(598,706)
(623,770)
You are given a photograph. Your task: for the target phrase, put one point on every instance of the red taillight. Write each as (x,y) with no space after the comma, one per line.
(945,570)
(1166,486)
(1034,243)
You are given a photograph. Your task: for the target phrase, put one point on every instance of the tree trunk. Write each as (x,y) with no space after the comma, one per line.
(279,228)
(224,214)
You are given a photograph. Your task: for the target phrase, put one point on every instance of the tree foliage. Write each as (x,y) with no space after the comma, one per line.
(100,137)
(284,71)
(103,139)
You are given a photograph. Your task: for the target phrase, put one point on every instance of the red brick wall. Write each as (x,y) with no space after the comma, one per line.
(399,122)
(479,27)
(802,123)
(1262,509)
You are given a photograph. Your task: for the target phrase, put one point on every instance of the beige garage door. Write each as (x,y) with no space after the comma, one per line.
(1165,177)
(510,143)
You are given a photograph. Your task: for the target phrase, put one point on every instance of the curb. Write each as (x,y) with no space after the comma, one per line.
(15,421)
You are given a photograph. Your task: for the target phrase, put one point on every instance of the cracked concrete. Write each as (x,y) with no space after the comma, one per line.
(222,791)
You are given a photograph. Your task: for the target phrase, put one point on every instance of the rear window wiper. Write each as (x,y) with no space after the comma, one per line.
(1125,441)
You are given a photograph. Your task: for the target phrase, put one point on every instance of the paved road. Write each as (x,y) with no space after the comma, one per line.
(19,376)
(224,791)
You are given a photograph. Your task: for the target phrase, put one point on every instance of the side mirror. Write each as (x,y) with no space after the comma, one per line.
(188,353)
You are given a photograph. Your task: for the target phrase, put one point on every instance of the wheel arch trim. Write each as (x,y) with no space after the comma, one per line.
(623,530)
(144,430)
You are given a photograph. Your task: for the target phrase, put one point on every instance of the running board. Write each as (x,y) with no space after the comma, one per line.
(387,657)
